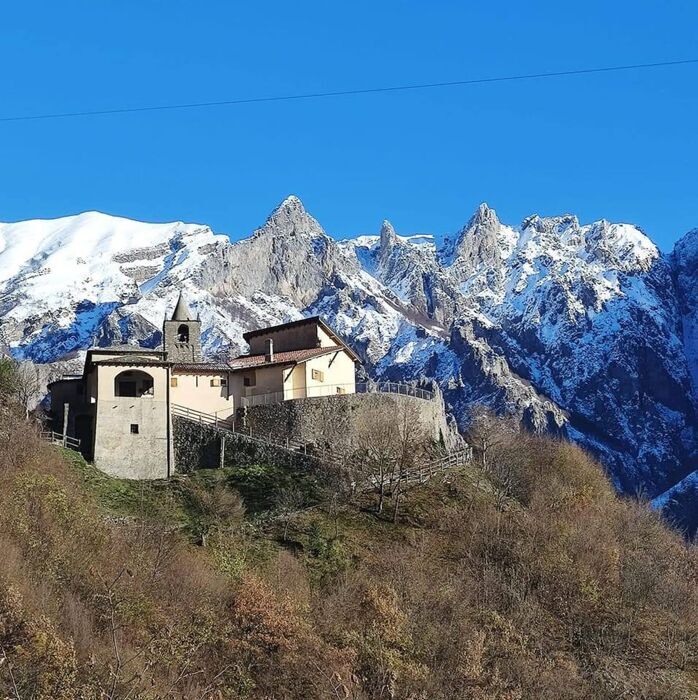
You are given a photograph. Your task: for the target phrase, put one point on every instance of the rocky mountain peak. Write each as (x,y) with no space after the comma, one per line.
(686,248)
(290,218)
(483,217)
(477,241)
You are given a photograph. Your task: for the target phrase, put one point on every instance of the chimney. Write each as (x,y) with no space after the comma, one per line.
(269,350)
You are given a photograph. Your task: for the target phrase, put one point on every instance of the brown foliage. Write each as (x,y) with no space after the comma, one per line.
(532,580)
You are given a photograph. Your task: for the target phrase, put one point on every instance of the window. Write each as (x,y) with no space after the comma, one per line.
(318,375)
(249,379)
(183,333)
(341,390)
(134,428)
(215,381)
(173,381)
(224,381)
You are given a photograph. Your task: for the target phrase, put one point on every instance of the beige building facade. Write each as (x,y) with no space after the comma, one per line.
(121,407)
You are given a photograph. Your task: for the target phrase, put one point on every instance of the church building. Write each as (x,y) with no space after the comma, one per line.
(120,408)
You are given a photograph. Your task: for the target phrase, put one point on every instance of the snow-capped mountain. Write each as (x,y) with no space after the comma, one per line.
(586,330)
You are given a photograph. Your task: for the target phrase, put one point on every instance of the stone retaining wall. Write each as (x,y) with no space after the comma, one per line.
(199,447)
(334,419)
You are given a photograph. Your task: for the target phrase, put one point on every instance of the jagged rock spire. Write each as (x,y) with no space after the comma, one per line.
(477,240)
(387,234)
(181,311)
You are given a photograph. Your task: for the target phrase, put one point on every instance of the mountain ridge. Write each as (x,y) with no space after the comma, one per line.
(583,329)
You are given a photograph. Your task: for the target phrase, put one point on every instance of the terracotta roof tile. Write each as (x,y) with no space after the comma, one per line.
(281,358)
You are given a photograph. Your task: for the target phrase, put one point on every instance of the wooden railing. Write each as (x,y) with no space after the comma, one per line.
(424,472)
(59,439)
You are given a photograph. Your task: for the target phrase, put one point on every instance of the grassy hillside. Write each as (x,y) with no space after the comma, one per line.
(532,580)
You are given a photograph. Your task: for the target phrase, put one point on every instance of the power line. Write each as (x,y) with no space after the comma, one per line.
(341,93)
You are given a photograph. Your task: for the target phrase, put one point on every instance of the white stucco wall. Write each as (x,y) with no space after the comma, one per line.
(194,391)
(339,373)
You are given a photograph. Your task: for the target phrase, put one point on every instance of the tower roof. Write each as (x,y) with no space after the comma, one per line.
(181,311)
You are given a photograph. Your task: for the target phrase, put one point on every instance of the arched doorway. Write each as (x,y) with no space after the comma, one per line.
(133,383)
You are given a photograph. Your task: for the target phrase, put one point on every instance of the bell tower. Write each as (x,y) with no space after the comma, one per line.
(181,335)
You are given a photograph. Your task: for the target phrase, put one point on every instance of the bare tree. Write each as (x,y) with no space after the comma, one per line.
(413,448)
(20,383)
(390,440)
(213,508)
(375,449)
(487,432)
(28,386)
(289,501)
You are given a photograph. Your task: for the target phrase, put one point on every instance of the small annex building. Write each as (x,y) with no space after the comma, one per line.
(121,407)
(297,360)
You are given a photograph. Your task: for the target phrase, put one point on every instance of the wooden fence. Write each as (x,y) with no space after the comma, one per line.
(59,439)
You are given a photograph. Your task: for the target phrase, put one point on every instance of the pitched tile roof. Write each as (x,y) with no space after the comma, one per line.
(282,358)
(301,322)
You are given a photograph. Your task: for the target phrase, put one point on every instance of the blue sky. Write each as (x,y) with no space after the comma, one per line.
(622,146)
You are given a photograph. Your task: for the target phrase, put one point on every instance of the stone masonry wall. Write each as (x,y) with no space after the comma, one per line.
(334,418)
(199,447)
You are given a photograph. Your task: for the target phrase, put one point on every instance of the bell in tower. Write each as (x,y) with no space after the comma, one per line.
(182,334)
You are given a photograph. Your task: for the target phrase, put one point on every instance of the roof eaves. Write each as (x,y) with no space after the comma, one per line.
(281,326)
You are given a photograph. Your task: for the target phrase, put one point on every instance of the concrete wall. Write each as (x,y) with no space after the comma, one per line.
(119,452)
(194,390)
(334,419)
(294,386)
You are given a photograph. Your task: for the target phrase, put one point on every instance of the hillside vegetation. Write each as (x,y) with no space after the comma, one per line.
(529,579)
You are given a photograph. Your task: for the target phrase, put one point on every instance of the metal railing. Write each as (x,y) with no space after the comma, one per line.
(323,390)
(59,439)
(204,418)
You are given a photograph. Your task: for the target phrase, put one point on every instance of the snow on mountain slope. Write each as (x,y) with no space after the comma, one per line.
(61,279)
(568,325)
(579,329)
